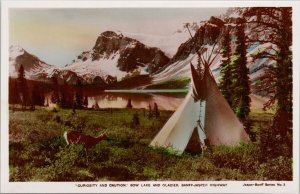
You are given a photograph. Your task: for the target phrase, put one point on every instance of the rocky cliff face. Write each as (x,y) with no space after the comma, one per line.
(205,35)
(133,54)
(116,55)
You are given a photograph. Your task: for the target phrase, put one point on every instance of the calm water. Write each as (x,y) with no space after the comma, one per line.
(165,101)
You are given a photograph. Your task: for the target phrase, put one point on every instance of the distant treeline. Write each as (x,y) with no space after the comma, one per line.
(29,93)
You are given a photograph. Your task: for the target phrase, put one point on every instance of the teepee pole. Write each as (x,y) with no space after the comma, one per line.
(206,61)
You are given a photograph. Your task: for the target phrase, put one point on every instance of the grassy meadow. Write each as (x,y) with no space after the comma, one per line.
(38,151)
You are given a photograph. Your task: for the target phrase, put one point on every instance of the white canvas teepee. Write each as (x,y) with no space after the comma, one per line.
(210,118)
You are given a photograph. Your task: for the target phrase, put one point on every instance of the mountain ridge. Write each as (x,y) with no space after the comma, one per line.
(113,55)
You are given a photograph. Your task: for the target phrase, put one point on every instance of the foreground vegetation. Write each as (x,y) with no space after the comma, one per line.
(38,151)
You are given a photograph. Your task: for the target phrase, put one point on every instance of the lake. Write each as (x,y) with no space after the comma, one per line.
(166,100)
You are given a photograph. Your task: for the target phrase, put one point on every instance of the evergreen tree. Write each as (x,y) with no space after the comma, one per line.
(150,114)
(156,111)
(78,100)
(70,101)
(63,99)
(63,95)
(135,119)
(32,100)
(243,107)
(129,105)
(22,87)
(67,95)
(37,98)
(225,74)
(55,94)
(240,85)
(21,74)
(55,97)
(277,22)
(85,102)
(13,92)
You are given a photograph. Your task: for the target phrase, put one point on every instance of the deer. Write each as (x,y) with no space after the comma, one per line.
(74,137)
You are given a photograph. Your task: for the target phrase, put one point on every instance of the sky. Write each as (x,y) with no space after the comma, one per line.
(57,36)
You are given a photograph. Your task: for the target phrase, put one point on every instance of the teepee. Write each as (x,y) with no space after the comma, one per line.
(204,117)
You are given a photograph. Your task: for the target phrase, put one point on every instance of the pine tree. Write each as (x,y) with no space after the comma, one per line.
(225,74)
(37,98)
(66,96)
(241,97)
(156,111)
(21,74)
(78,100)
(150,114)
(135,120)
(55,94)
(62,99)
(63,96)
(85,102)
(22,87)
(32,100)
(129,105)
(234,82)
(13,91)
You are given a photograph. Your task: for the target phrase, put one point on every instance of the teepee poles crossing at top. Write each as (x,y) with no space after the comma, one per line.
(206,61)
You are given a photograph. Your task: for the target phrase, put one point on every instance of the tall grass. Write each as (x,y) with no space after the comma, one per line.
(38,151)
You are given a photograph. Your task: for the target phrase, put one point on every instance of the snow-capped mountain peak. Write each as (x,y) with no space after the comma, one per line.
(113,55)
(117,55)
(33,66)
(15,51)
(168,44)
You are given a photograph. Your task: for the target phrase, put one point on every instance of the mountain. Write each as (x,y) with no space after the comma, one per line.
(168,44)
(179,65)
(33,66)
(113,56)
(116,55)
(36,69)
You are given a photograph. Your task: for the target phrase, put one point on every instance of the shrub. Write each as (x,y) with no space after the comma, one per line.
(62,167)
(150,173)
(243,157)
(135,120)
(277,169)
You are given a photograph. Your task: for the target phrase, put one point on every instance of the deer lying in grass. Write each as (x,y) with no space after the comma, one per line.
(74,137)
